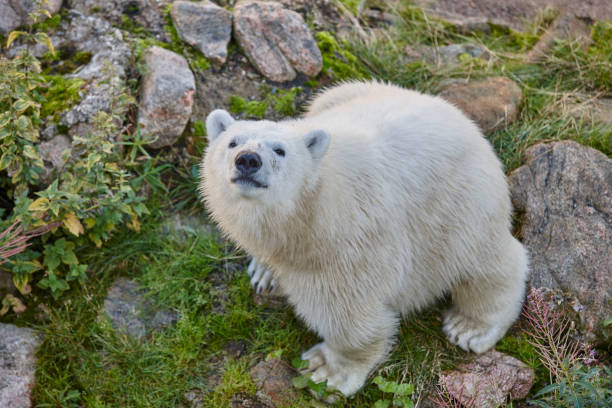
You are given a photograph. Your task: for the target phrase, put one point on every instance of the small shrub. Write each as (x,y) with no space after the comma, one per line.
(90,199)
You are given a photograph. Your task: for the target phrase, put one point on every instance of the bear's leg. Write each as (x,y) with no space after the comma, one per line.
(486,306)
(350,352)
(262,279)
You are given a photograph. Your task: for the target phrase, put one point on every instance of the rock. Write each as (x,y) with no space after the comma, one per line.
(130,313)
(449,54)
(492,102)
(194,398)
(273,378)
(598,111)
(241,400)
(105,74)
(146,13)
(515,14)
(204,25)
(51,153)
(166,97)
(565,193)
(18,347)
(489,380)
(14,13)
(564,27)
(277,41)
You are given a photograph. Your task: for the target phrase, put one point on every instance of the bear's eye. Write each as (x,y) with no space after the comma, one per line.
(232,144)
(279,151)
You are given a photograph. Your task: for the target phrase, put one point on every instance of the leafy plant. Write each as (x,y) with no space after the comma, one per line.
(86,202)
(397,395)
(305,381)
(573,382)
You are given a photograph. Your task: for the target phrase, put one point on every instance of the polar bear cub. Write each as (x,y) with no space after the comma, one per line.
(377,202)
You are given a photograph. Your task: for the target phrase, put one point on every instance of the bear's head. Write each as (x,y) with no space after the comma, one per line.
(261,162)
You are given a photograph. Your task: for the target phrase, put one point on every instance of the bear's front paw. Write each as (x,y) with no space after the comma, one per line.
(468,333)
(262,278)
(342,374)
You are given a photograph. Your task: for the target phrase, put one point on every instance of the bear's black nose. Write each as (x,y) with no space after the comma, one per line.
(248,162)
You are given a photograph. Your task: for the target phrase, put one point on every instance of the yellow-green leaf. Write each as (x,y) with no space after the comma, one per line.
(12,37)
(73,224)
(11,302)
(40,204)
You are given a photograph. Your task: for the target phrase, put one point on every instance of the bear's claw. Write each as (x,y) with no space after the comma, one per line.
(262,278)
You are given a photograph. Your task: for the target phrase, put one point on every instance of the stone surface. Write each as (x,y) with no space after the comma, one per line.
(204,25)
(565,193)
(448,54)
(597,110)
(515,14)
(241,400)
(51,153)
(564,27)
(273,379)
(17,365)
(492,102)
(276,40)
(166,97)
(130,313)
(489,381)
(146,13)
(14,13)
(105,74)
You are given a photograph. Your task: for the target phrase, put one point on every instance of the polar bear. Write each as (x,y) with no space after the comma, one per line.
(377,202)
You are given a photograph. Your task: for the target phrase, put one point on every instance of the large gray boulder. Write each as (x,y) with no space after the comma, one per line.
(18,347)
(565,193)
(166,97)
(14,13)
(276,40)
(204,25)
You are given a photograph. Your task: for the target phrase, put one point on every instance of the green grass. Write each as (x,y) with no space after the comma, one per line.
(84,362)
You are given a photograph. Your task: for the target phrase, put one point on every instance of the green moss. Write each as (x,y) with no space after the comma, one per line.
(130,24)
(338,62)
(66,60)
(282,101)
(237,104)
(60,95)
(49,25)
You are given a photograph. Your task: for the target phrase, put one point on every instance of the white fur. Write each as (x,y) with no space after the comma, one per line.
(408,202)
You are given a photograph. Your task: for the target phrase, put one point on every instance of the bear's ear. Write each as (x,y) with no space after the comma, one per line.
(216,123)
(317,142)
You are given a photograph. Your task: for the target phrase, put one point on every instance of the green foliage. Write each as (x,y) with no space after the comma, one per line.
(584,387)
(20,108)
(338,62)
(400,393)
(85,203)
